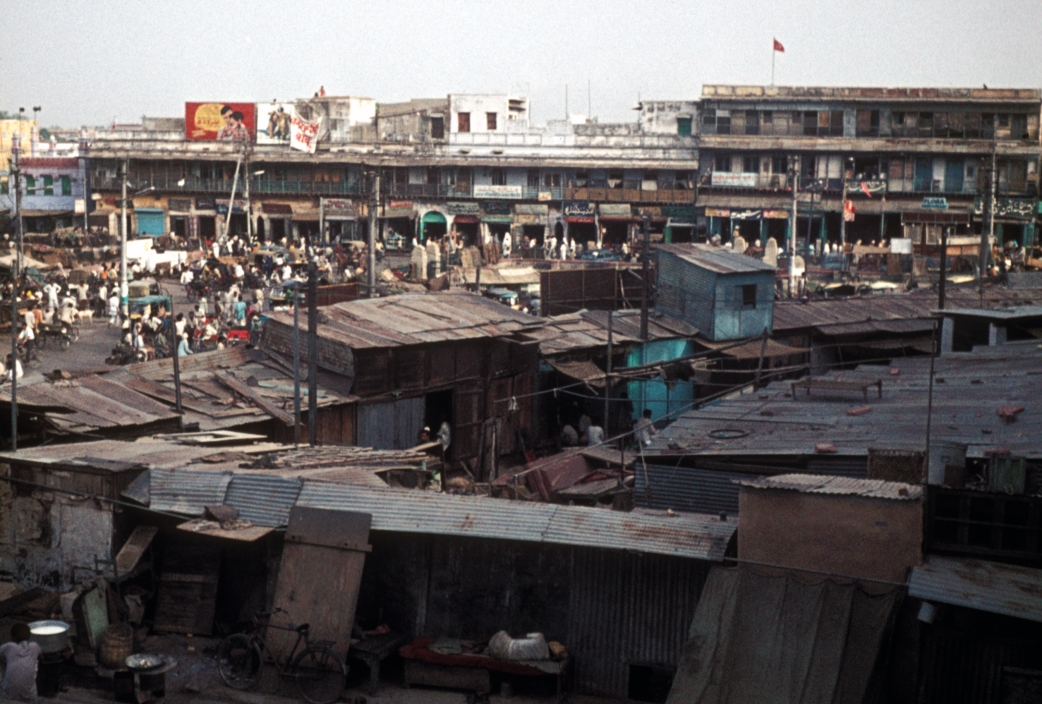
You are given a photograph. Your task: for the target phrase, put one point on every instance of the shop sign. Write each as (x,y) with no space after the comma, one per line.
(531,209)
(277,208)
(934,203)
(496,207)
(615,210)
(578,209)
(220,122)
(303,134)
(678,211)
(488,191)
(718,212)
(1007,207)
(776,215)
(239,209)
(399,204)
(273,122)
(732,180)
(205,204)
(457,208)
(338,206)
(181,205)
(545,195)
(746,214)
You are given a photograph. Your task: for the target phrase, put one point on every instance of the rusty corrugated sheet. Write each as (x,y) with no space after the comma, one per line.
(1010,590)
(263,500)
(716,259)
(692,536)
(411,319)
(841,486)
(186,492)
(628,609)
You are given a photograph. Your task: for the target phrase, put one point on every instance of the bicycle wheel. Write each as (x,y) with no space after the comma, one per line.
(74,333)
(320,674)
(190,293)
(63,342)
(239,661)
(41,341)
(34,359)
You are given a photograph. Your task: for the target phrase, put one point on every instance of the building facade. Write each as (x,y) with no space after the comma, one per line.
(907,160)
(591,182)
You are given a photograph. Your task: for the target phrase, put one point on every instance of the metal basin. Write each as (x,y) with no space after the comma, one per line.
(51,636)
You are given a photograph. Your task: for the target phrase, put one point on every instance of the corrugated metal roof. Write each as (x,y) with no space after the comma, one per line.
(415,318)
(843,486)
(1010,590)
(185,491)
(968,389)
(716,259)
(91,403)
(263,500)
(687,535)
(791,315)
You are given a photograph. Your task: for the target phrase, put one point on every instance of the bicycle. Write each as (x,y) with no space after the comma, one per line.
(319,672)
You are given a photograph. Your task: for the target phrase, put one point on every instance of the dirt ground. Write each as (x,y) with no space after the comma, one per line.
(195,680)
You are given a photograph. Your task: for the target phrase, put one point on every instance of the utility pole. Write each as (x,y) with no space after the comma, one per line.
(794,175)
(231,202)
(843,213)
(249,209)
(312,353)
(986,238)
(16,171)
(607,377)
(944,268)
(645,274)
(124,289)
(374,211)
(296,365)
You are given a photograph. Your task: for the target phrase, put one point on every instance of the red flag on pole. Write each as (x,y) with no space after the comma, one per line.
(864,189)
(778,46)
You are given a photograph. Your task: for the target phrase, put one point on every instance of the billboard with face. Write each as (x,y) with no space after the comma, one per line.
(273,122)
(224,122)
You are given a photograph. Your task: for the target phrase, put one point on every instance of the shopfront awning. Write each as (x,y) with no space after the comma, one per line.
(434,217)
(583,370)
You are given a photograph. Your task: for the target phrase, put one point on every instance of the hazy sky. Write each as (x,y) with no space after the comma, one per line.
(88,62)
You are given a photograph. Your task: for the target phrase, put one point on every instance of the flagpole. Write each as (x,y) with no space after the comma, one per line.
(773,52)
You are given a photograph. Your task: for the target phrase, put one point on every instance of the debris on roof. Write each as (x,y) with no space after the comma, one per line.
(840,486)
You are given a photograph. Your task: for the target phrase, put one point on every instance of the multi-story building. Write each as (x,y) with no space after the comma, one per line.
(491,174)
(910,161)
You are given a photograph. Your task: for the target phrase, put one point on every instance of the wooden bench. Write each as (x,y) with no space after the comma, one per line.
(838,385)
(375,649)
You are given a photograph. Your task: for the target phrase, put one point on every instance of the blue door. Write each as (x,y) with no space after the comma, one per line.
(150,221)
(923,175)
(954,173)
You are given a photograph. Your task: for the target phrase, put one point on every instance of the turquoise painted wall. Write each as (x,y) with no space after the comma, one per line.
(659,398)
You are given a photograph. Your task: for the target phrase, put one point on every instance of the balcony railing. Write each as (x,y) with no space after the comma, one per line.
(193,184)
(630,195)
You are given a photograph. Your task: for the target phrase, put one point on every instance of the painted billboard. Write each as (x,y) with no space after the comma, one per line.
(223,122)
(273,121)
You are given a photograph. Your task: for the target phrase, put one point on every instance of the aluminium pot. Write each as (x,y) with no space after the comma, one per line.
(51,636)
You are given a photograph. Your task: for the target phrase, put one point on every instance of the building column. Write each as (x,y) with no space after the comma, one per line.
(996,335)
(947,335)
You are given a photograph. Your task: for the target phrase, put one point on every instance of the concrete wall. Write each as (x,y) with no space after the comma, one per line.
(50,539)
(850,535)
(479,105)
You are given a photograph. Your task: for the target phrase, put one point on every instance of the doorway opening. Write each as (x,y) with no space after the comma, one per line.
(649,683)
(438,410)
(207,228)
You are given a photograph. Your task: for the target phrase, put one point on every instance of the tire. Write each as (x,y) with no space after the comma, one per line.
(190,293)
(64,342)
(41,341)
(74,333)
(239,661)
(320,675)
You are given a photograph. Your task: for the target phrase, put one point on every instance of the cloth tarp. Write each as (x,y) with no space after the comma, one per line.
(583,370)
(759,639)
